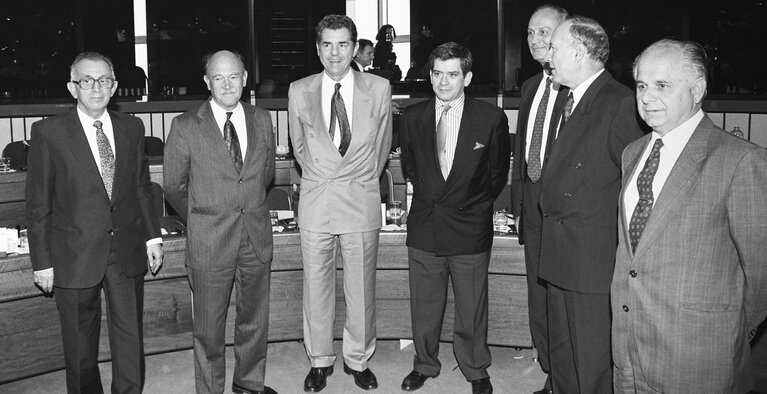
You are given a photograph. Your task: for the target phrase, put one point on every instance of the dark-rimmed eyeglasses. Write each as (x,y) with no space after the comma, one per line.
(88,83)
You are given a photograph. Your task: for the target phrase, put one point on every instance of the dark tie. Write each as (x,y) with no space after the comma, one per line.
(644,185)
(442,141)
(338,113)
(568,109)
(106,157)
(232,142)
(534,156)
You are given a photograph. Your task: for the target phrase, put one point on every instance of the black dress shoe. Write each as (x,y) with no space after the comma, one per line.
(365,380)
(481,386)
(236,388)
(415,381)
(316,380)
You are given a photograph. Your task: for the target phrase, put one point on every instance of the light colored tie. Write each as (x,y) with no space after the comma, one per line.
(106,157)
(338,114)
(442,141)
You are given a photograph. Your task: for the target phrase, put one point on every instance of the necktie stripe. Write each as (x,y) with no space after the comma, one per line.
(338,114)
(106,157)
(442,142)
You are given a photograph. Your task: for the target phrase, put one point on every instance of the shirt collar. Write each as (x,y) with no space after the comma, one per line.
(86,119)
(457,103)
(220,111)
(581,89)
(677,138)
(347,80)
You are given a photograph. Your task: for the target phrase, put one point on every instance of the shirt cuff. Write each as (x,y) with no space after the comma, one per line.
(154,241)
(45,271)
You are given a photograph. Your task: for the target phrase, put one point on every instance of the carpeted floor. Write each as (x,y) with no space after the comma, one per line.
(513,371)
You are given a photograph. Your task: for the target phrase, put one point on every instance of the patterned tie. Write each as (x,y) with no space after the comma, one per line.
(568,107)
(644,185)
(442,141)
(534,156)
(232,142)
(106,156)
(338,113)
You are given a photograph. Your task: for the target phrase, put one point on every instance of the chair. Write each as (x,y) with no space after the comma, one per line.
(17,152)
(278,199)
(153,146)
(387,186)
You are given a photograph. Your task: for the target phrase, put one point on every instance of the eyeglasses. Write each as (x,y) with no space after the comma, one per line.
(88,83)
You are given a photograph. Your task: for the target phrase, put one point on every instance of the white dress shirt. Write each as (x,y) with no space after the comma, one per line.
(453,118)
(673,144)
(238,121)
(347,93)
(547,120)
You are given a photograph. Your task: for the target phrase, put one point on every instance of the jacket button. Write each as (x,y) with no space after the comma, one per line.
(578,165)
(568,195)
(633,274)
(545,214)
(239,181)
(423,181)
(625,308)
(242,211)
(560,221)
(111,209)
(460,209)
(110,232)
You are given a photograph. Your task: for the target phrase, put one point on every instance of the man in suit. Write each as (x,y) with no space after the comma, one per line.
(92,226)
(340,126)
(690,281)
(219,161)
(456,152)
(536,130)
(579,205)
(364,56)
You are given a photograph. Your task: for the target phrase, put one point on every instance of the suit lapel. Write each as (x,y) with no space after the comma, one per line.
(465,143)
(361,115)
(211,131)
(81,150)
(556,115)
(682,179)
(250,125)
(121,151)
(427,134)
(313,97)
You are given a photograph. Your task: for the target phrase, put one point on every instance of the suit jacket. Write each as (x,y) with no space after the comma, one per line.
(73,225)
(203,186)
(519,171)
(579,192)
(341,194)
(697,283)
(454,216)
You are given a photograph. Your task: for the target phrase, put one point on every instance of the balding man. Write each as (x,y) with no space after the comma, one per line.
(537,126)
(690,281)
(579,204)
(219,160)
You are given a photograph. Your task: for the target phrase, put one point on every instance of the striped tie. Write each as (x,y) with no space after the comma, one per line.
(338,113)
(442,141)
(106,157)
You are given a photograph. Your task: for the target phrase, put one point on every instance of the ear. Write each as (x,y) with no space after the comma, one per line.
(699,90)
(72,89)
(114,89)
(580,51)
(244,79)
(207,81)
(467,79)
(317,45)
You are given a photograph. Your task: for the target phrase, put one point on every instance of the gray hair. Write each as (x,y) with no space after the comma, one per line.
(593,37)
(92,56)
(694,58)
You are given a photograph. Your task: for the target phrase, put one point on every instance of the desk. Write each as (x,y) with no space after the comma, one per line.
(30,337)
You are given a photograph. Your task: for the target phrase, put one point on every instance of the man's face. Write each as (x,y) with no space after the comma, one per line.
(225,78)
(336,50)
(94,100)
(563,55)
(666,97)
(539,30)
(448,80)
(365,56)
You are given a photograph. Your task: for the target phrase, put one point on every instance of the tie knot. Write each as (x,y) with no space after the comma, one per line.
(338,87)
(656,147)
(548,82)
(445,108)
(228,115)
(97,124)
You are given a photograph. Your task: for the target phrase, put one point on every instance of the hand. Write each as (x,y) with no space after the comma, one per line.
(44,279)
(154,257)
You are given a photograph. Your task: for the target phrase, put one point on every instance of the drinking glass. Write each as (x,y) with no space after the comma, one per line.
(395,211)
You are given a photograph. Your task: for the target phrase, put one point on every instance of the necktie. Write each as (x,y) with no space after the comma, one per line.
(106,156)
(568,108)
(442,141)
(644,185)
(338,114)
(534,156)
(232,142)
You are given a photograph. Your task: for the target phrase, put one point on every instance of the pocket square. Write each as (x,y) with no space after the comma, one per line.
(478,145)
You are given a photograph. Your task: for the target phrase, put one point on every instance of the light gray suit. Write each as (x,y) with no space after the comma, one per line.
(684,303)
(229,238)
(340,208)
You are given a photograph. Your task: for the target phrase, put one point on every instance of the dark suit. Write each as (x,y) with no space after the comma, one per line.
(524,202)
(450,230)
(696,285)
(229,238)
(579,235)
(92,242)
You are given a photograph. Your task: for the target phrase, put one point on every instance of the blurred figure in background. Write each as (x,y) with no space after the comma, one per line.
(364,56)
